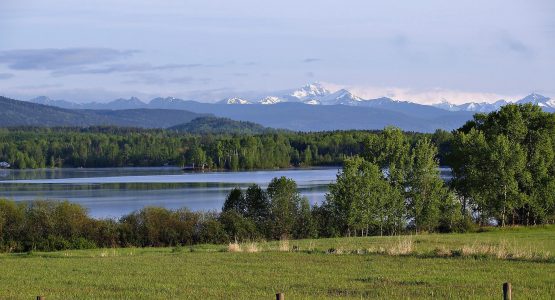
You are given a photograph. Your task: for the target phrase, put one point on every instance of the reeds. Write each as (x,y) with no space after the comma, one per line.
(404,246)
(234,247)
(250,247)
(284,245)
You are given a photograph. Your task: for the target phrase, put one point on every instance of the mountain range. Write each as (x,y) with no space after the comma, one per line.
(310,108)
(312,94)
(286,115)
(545,103)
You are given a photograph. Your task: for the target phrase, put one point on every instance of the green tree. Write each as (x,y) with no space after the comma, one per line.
(362,198)
(235,201)
(508,162)
(305,226)
(503,164)
(258,208)
(391,152)
(426,189)
(285,202)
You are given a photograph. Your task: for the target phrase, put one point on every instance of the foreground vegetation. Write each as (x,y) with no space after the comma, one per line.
(303,269)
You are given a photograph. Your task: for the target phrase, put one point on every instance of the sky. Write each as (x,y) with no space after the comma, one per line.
(423,51)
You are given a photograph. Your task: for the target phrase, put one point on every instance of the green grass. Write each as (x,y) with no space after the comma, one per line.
(207,271)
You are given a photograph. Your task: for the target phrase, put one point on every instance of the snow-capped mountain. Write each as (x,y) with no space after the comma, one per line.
(271,100)
(311,94)
(235,100)
(382,101)
(343,97)
(546,103)
(472,106)
(539,100)
(166,100)
(446,105)
(482,106)
(319,109)
(167,103)
(310,91)
(312,102)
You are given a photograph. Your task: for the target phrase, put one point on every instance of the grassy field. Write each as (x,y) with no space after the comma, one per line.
(327,268)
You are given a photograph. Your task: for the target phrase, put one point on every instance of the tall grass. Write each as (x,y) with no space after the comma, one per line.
(406,246)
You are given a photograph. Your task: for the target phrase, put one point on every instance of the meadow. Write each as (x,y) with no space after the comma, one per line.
(468,266)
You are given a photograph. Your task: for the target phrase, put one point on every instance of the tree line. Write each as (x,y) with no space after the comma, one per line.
(128,147)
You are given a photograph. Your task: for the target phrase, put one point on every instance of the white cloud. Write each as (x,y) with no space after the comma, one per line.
(429,96)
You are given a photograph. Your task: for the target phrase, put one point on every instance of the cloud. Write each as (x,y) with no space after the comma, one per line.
(57,59)
(124,68)
(311,59)
(514,45)
(74,61)
(153,79)
(6,75)
(422,96)
(39,86)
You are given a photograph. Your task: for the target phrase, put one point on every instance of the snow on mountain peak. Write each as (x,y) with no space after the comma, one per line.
(235,100)
(170,99)
(312,102)
(271,100)
(310,90)
(487,107)
(536,99)
(446,105)
(345,94)
(342,96)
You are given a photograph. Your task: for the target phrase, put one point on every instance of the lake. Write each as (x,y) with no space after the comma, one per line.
(113,192)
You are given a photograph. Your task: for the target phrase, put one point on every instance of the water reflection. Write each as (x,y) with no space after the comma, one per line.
(112,192)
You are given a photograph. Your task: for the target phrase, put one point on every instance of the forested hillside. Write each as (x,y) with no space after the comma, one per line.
(214,125)
(21,113)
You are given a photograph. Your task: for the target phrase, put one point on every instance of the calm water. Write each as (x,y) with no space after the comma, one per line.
(112,192)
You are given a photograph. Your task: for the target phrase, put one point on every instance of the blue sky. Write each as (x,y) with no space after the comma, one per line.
(208,50)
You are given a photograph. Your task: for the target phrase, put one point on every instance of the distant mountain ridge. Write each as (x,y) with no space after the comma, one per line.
(295,116)
(313,94)
(309,108)
(23,113)
(545,103)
